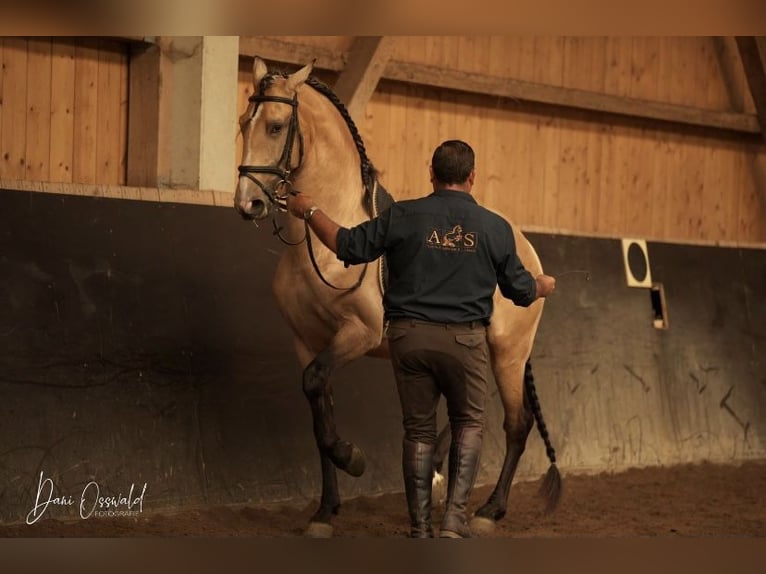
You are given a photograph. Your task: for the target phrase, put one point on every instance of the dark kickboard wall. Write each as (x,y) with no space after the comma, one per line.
(139,343)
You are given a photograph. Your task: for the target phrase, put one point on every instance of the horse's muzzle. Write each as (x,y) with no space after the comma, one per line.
(252,209)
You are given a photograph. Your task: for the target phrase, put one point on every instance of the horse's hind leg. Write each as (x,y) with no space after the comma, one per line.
(518,422)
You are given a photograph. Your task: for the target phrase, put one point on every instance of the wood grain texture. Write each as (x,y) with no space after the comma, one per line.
(62,110)
(38,109)
(14,112)
(540,164)
(85,164)
(108,121)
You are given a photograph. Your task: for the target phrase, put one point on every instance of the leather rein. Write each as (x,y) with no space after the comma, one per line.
(283,169)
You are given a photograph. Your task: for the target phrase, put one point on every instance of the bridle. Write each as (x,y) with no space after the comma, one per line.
(283,169)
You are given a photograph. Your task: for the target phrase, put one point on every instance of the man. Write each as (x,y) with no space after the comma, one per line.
(446,256)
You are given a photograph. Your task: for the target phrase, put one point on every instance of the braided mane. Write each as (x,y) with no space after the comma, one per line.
(369,172)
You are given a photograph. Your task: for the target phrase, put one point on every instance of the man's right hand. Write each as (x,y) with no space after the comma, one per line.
(298,204)
(545,285)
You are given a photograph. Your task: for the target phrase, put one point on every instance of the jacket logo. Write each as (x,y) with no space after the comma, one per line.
(454,239)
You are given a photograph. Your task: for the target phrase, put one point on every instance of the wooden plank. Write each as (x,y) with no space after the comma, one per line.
(245,87)
(615,165)
(569,97)
(415,161)
(124,104)
(85,111)
(686,207)
(644,83)
(397,143)
(274,50)
(549,65)
(730,71)
(2,74)
(715,190)
(480,128)
(663,147)
(62,109)
(752,51)
(572,152)
(697,169)
(524,137)
(751,213)
(144,116)
(108,161)
(359,78)
(376,134)
(533,91)
(591,174)
(38,140)
(14,111)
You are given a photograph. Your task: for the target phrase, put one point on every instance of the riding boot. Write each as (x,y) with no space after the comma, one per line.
(463,467)
(417,464)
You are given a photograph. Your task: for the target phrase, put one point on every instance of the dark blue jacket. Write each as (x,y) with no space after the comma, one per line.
(446,255)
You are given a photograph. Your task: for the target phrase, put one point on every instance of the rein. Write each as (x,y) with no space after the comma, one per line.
(279,200)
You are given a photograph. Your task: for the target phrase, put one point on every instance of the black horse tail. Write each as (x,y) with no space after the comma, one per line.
(550,489)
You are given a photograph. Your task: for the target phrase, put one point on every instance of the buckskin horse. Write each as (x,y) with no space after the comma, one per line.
(298,135)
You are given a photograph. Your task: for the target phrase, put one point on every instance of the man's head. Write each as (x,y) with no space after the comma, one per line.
(452,165)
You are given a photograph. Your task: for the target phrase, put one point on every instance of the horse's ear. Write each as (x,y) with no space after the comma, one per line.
(259,71)
(296,79)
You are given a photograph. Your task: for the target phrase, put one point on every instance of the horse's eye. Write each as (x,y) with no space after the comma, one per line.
(275,129)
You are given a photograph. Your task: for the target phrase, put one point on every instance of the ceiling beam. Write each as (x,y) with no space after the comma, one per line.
(445,78)
(569,97)
(277,50)
(360,76)
(752,51)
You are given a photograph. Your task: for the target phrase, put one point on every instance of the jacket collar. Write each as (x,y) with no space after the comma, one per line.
(454,194)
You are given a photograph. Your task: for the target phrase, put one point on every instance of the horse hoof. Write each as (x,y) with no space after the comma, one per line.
(357,462)
(319,530)
(481,526)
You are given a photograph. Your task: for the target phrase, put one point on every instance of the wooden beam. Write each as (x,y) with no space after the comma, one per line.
(568,97)
(444,78)
(752,51)
(358,80)
(291,53)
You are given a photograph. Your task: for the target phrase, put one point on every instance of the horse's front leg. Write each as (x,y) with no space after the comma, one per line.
(351,341)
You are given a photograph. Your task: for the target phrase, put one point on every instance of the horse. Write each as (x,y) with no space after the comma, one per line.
(297,134)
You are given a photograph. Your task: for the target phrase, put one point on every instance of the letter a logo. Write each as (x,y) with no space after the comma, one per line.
(433,239)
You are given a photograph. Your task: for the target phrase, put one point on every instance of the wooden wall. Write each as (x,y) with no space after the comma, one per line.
(63,110)
(63,118)
(577,171)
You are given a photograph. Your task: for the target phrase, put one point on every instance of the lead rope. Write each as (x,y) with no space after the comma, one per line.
(312,257)
(319,272)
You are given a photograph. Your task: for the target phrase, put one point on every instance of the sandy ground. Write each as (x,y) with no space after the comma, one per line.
(688,500)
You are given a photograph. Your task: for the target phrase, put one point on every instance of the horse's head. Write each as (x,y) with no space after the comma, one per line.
(272,141)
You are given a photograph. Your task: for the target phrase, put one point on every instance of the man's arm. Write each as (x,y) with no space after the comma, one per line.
(360,244)
(321,224)
(518,284)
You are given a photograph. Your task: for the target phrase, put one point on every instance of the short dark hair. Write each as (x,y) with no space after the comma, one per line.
(452,162)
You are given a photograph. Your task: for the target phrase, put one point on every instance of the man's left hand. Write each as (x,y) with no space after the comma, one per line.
(298,204)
